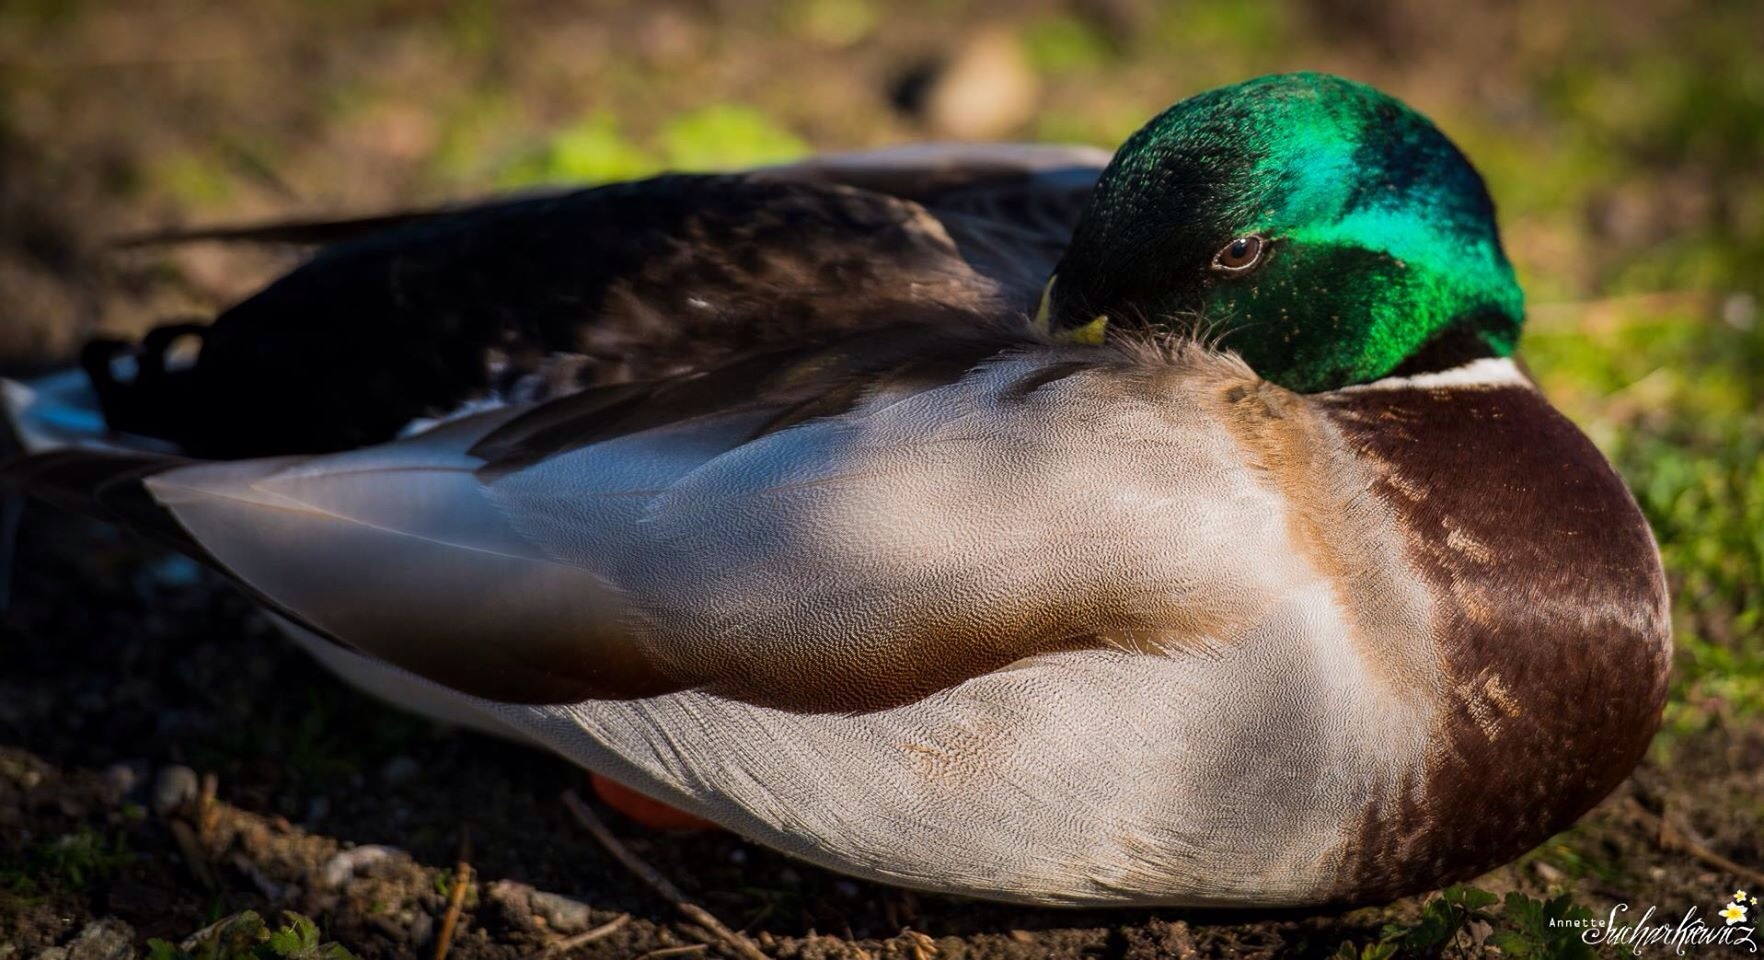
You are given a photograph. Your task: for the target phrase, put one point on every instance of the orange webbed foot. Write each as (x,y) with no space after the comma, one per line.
(647,811)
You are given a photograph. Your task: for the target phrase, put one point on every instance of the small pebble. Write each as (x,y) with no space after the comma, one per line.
(346,865)
(986,90)
(422,927)
(106,939)
(1740,310)
(560,912)
(126,777)
(175,786)
(514,898)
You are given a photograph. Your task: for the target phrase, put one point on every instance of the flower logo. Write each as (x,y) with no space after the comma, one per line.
(1736,911)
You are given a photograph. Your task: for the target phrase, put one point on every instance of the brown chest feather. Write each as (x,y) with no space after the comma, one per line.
(1550,616)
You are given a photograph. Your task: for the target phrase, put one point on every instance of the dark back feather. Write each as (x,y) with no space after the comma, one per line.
(412,315)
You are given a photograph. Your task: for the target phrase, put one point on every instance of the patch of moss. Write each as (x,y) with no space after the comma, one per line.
(245,936)
(73,861)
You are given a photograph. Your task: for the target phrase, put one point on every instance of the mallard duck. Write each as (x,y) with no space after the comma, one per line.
(983,521)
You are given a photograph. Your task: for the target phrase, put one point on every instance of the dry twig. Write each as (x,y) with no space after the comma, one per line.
(581,939)
(921,945)
(673,951)
(1673,837)
(462,877)
(660,884)
(207,813)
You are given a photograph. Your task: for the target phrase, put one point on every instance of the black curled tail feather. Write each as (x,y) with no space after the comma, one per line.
(157,401)
(104,485)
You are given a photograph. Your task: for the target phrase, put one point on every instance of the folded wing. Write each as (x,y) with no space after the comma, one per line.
(412,316)
(833,529)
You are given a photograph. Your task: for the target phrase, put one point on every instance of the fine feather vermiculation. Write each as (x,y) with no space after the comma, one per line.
(910,586)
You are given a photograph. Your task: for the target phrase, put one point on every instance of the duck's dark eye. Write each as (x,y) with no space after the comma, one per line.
(1240,255)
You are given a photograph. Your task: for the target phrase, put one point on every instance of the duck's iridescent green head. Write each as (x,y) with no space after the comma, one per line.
(1324,231)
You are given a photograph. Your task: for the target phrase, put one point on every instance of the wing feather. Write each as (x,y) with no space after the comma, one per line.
(835,529)
(410,562)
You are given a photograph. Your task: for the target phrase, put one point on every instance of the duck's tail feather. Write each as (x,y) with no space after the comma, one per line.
(107,485)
